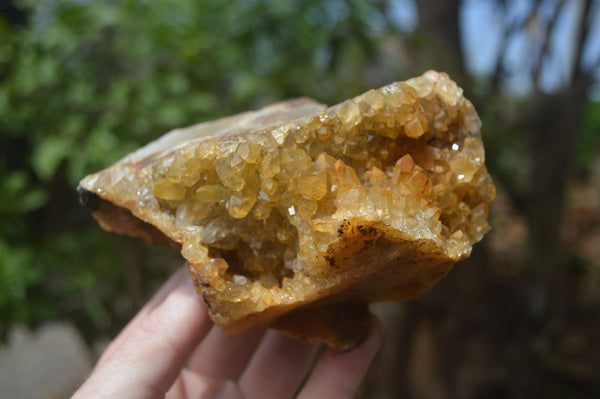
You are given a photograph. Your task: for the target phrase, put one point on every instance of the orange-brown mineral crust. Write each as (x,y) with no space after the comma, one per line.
(298,215)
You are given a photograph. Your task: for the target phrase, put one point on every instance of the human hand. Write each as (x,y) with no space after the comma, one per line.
(172,349)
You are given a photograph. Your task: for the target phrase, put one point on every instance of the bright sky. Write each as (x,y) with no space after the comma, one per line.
(482,30)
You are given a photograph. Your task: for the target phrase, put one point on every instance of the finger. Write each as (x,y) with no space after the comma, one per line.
(176,279)
(278,367)
(149,359)
(225,356)
(338,375)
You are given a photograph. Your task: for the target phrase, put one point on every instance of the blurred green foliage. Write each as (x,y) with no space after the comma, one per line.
(589,142)
(83,83)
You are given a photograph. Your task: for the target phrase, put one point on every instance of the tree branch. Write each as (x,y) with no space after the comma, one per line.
(545,48)
(577,73)
(508,32)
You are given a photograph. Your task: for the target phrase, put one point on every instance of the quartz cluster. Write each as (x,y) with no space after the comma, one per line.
(297,210)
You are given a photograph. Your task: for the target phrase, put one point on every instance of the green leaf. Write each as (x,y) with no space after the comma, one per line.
(19,195)
(16,273)
(48,156)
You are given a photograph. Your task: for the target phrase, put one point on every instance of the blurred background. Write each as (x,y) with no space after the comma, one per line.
(83,83)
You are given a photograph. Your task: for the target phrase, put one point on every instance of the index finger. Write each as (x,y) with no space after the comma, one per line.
(149,359)
(177,278)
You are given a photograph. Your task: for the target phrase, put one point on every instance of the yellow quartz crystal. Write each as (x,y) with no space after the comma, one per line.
(298,215)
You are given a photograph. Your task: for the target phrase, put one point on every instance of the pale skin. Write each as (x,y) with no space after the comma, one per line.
(172,349)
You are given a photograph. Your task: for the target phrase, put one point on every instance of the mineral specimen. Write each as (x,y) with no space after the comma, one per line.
(298,216)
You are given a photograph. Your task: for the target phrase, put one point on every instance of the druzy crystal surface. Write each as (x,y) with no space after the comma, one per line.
(298,215)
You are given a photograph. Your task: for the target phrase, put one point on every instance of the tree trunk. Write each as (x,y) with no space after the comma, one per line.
(439,22)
